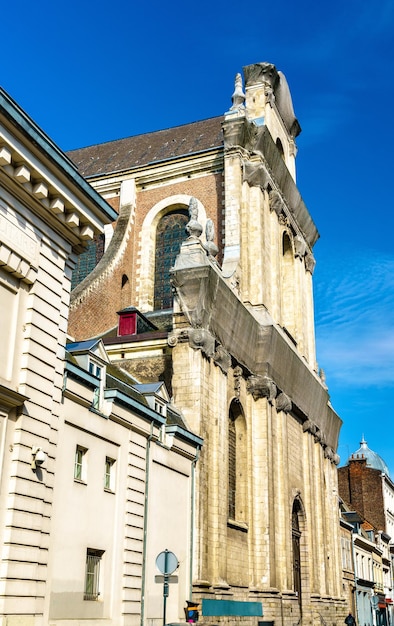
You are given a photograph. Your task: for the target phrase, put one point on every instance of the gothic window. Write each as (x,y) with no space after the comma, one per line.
(287,286)
(280,148)
(170,233)
(88,260)
(237,464)
(296,536)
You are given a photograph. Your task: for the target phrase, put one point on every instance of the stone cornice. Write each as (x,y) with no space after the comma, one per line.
(36,172)
(155,174)
(11,399)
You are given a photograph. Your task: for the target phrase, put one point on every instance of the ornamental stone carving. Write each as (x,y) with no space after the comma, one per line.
(328,453)
(238,97)
(222,359)
(255,175)
(309,426)
(299,246)
(283,403)
(237,380)
(172,339)
(210,246)
(262,387)
(310,263)
(193,227)
(201,339)
(275,202)
(320,437)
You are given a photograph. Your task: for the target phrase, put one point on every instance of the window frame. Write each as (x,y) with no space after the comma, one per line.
(80,464)
(109,474)
(93,574)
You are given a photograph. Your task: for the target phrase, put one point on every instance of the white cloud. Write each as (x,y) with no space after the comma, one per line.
(354,304)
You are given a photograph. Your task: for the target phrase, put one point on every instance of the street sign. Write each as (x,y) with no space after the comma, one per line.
(161,579)
(166,562)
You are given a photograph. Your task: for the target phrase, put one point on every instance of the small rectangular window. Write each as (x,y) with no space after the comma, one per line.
(95,369)
(92,576)
(109,474)
(80,464)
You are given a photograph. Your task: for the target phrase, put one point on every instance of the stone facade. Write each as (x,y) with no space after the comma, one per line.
(238,347)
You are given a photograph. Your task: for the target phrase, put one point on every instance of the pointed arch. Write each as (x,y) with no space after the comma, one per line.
(237,463)
(288,285)
(298,542)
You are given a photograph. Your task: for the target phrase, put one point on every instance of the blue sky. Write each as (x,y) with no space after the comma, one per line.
(93,72)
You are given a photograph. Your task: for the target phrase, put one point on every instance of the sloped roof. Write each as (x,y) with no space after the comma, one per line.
(139,150)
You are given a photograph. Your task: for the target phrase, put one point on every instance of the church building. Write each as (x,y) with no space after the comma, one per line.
(204,282)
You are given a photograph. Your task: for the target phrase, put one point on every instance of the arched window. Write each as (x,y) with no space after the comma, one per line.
(280,148)
(237,464)
(296,536)
(288,287)
(170,233)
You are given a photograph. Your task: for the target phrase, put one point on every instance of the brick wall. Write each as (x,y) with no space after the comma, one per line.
(96,312)
(361,488)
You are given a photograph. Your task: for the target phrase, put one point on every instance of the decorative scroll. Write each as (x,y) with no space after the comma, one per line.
(201,339)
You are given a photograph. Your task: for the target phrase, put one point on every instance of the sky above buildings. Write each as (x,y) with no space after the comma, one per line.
(89,73)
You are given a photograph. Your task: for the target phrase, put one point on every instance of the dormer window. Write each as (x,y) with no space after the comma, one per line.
(159,407)
(95,369)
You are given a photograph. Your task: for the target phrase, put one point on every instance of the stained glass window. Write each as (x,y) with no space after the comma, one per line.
(169,235)
(88,260)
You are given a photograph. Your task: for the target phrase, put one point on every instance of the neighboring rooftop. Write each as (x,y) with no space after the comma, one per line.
(373,459)
(139,150)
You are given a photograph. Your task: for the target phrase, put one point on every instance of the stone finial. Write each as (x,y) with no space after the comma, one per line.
(193,227)
(238,97)
(210,246)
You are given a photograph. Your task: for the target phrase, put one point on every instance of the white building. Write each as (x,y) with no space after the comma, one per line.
(87,473)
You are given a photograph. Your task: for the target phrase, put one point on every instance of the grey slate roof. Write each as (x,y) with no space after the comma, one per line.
(139,150)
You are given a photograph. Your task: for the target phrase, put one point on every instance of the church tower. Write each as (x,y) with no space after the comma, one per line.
(214,245)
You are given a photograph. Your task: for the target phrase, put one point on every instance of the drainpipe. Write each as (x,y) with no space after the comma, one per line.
(193,487)
(143,574)
(355,581)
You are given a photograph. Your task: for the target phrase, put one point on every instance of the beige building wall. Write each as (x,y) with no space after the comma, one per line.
(47,213)
(146,511)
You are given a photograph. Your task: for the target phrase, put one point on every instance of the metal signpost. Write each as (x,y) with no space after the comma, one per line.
(166,563)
